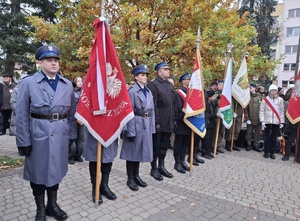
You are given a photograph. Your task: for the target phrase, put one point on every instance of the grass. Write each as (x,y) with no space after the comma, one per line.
(8,163)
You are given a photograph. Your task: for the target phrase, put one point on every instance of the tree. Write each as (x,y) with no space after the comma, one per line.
(15,45)
(149,31)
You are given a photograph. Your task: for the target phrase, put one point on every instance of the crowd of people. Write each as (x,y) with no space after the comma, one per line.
(43,106)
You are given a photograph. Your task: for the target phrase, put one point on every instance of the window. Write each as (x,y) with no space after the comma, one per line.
(289,49)
(293,31)
(276,21)
(287,83)
(273,55)
(294,13)
(289,67)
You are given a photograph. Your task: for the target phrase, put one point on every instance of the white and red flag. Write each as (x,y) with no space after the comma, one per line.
(194,104)
(225,108)
(104,106)
(293,110)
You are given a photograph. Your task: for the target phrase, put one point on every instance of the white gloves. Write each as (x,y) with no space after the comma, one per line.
(248,122)
(234,115)
(263,125)
(281,126)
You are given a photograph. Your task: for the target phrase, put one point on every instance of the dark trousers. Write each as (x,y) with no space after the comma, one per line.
(6,114)
(207,141)
(76,148)
(253,134)
(38,189)
(181,145)
(291,131)
(161,142)
(271,134)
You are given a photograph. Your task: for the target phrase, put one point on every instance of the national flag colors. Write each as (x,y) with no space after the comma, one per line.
(240,87)
(194,105)
(225,109)
(293,110)
(104,106)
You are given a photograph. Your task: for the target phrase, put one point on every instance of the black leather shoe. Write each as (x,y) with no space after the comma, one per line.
(105,191)
(248,148)
(196,157)
(139,181)
(266,155)
(219,150)
(79,159)
(206,156)
(132,185)
(236,148)
(285,158)
(228,149)
(185,166)
(272,156)
(156,175)
(195,163)
(164,172)
(257,149)
(71,161)
(56,212)
(93,196)
(178,167)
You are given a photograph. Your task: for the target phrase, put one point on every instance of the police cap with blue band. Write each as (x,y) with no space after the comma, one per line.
(161,65)
(47,51)
(187,75)
(142,68)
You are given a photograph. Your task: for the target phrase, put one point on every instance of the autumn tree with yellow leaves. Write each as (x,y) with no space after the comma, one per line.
(150,31)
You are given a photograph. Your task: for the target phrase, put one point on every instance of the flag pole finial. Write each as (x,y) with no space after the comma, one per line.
(229,49)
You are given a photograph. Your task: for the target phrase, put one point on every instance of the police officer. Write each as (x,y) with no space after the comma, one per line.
(137,144)
(45,124)
(109,153)
(182,132)
(164,99)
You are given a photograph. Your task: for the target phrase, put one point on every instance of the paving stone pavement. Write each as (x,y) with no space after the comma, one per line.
(234,186)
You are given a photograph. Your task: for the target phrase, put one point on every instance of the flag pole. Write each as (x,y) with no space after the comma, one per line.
(99,146)
(233,127)
(297,144)
(216,139)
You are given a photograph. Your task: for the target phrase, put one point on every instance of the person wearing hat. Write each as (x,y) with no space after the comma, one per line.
(252,120)
(45,124)
(6,88)
(214,86)
(271,116)
(182,131)
(137,144)
(164,100)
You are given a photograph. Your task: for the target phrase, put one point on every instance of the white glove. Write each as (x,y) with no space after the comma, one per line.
(248,122)
(263,125)
(281,126)
(234,115)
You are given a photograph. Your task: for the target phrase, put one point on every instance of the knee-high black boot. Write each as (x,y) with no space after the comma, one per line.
(162,170)
(92,168)
(52,208)
(40,207)
(104,188)
(154,171)
(130,171)
(136,175)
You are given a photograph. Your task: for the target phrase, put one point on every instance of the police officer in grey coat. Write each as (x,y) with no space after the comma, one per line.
(45,124)
(137,144)
(164,102)
(108,154)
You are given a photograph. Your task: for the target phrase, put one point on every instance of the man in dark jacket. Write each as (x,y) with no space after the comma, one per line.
(164,99)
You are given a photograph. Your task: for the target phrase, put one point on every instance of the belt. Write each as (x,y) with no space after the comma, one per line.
(52,117)
(145,114)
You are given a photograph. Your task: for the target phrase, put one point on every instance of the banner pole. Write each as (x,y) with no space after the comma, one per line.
(216,139)
(102,8)
(233,127)
(98,171)
(192,153)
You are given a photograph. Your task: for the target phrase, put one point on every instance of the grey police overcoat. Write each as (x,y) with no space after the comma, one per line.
(48,162)
(108,154)
(142,128)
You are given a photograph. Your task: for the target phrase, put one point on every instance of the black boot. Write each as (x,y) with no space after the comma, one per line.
(104,188)
(137,177)
(162,170)
(195,163)
(183,163)
(285,158)
(52,208)
(198,159)
(178,167)
(236,148)
(92,168)
(130,181)
(227,146)
(154,171)
(40,208)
